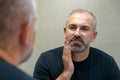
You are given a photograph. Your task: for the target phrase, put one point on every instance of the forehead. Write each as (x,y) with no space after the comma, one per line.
(79,18)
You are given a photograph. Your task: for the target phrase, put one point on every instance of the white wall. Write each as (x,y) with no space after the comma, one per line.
(52,15)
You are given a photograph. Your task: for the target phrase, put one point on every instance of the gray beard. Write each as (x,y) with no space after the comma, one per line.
(76,48)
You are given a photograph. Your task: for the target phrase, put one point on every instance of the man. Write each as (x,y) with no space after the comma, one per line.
(17,34)
(77,60)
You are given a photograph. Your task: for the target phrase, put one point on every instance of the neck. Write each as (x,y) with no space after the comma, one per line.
(11,58)
(78,57)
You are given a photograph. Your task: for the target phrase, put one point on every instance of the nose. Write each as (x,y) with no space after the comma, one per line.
(77,32)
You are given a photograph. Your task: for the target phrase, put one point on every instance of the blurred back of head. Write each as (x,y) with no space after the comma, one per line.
(13,15)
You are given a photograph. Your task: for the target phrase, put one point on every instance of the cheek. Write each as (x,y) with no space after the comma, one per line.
(89,38)
(67,35)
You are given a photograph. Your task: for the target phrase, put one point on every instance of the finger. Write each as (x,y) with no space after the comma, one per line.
(66,48)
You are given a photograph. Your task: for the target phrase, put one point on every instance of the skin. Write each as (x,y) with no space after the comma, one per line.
(20,47)
(28,39)
(79,25)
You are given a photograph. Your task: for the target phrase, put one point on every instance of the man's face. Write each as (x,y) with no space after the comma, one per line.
(79,31)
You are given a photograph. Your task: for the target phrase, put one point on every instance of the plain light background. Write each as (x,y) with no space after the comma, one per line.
(52,15)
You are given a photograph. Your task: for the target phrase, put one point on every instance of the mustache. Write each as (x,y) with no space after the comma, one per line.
(76,38)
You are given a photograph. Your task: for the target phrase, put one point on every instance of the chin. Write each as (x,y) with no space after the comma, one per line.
(78,49)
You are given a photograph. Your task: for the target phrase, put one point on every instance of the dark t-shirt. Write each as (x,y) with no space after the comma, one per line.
(9,72)
(98,66)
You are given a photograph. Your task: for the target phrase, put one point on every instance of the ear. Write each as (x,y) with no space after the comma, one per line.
(24,34)
(94,36)
(64,29)
(64,32)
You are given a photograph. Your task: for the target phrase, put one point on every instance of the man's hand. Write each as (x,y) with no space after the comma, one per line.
(68,64)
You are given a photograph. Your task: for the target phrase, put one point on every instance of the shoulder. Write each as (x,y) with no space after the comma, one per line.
(7,72)
(100,54)
(100,57)
(105,63)
(55,51)
(50,55)
(50,58)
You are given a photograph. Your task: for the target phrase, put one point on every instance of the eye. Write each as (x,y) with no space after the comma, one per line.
(72,27)
(85,28)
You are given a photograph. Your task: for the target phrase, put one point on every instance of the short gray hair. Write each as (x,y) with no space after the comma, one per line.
(85,11)
(13,15)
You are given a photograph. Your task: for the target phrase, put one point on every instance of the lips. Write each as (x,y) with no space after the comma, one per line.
(75,41)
